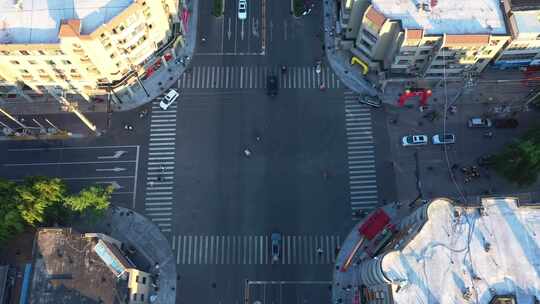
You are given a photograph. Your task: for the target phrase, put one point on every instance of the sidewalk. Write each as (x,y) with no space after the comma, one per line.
(152,247)
(158,83)
(347,281)
(165,77)
(339,59)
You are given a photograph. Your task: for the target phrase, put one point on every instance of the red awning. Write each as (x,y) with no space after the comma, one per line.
(149,72)
(374,224)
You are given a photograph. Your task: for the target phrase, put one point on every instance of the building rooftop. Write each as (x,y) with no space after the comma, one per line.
(38,21)
(469,253)
(520,5)
(67,270)
(528,21)
(446,16)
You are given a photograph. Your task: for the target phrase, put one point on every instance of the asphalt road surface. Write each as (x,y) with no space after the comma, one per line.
(227,165)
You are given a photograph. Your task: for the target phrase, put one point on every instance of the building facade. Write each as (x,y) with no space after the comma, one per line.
(85,50)
(423,38)
(524,25)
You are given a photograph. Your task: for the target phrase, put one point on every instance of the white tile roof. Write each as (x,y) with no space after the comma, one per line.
(449,255)
(446,16)
(528,21)
(38,21)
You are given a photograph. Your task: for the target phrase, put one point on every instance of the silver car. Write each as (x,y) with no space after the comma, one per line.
(443,139)
(414,140)
(242,9)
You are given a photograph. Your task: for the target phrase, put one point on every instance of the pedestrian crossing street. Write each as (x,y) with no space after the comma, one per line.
(158,201)
(254,77)
(360,155)
(253,249)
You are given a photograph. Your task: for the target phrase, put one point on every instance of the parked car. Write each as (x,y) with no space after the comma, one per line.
(276,246)
(373,101)
(443,139)
(271,85)
(242,9)
(168,99)
(485,160)
(477,122)
(505,123)
(414,140)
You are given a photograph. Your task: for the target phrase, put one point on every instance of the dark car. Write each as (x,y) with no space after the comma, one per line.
(271,85)
(505,123)
(276,246)
(486,160)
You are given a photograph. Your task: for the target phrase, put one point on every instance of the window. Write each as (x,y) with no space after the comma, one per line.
(366,44)
(14,62)
(538,37)
(137,279)
(144,280)
(32,62)
(66,62)
(134,297)
(25,53)
(142,297)
(102,35)
(407,53)
(425,52)
(112,56)
(403,62)
(369,36)
(420,61)
(6,53)
(58,52)
(23,71)
(42,53)
(50,62)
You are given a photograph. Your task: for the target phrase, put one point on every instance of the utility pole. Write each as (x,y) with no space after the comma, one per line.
(126,55)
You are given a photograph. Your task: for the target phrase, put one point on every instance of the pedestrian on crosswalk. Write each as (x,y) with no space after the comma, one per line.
(320,251)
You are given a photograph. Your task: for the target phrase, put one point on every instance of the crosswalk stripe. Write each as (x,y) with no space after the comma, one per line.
(253,77)
(360,155)
(250,249)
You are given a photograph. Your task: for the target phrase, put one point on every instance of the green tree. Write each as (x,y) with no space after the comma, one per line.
(93,200)
(36,195)
(520,161)
(11,222)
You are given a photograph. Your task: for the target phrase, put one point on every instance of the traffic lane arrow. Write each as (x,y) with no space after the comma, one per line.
(115,169)
(68,170)
(116,155)
(115,185)
(229,31)
(50,153)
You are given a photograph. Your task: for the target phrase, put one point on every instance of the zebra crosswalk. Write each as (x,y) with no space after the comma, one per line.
(254,77)
(254,249)
(158,201)
(360,155)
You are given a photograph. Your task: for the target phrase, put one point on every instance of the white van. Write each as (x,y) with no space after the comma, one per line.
(168,99)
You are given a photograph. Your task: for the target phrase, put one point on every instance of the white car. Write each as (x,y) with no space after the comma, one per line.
(242,9)
(414,140)
(443,139)
(478,122)
(168,99)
